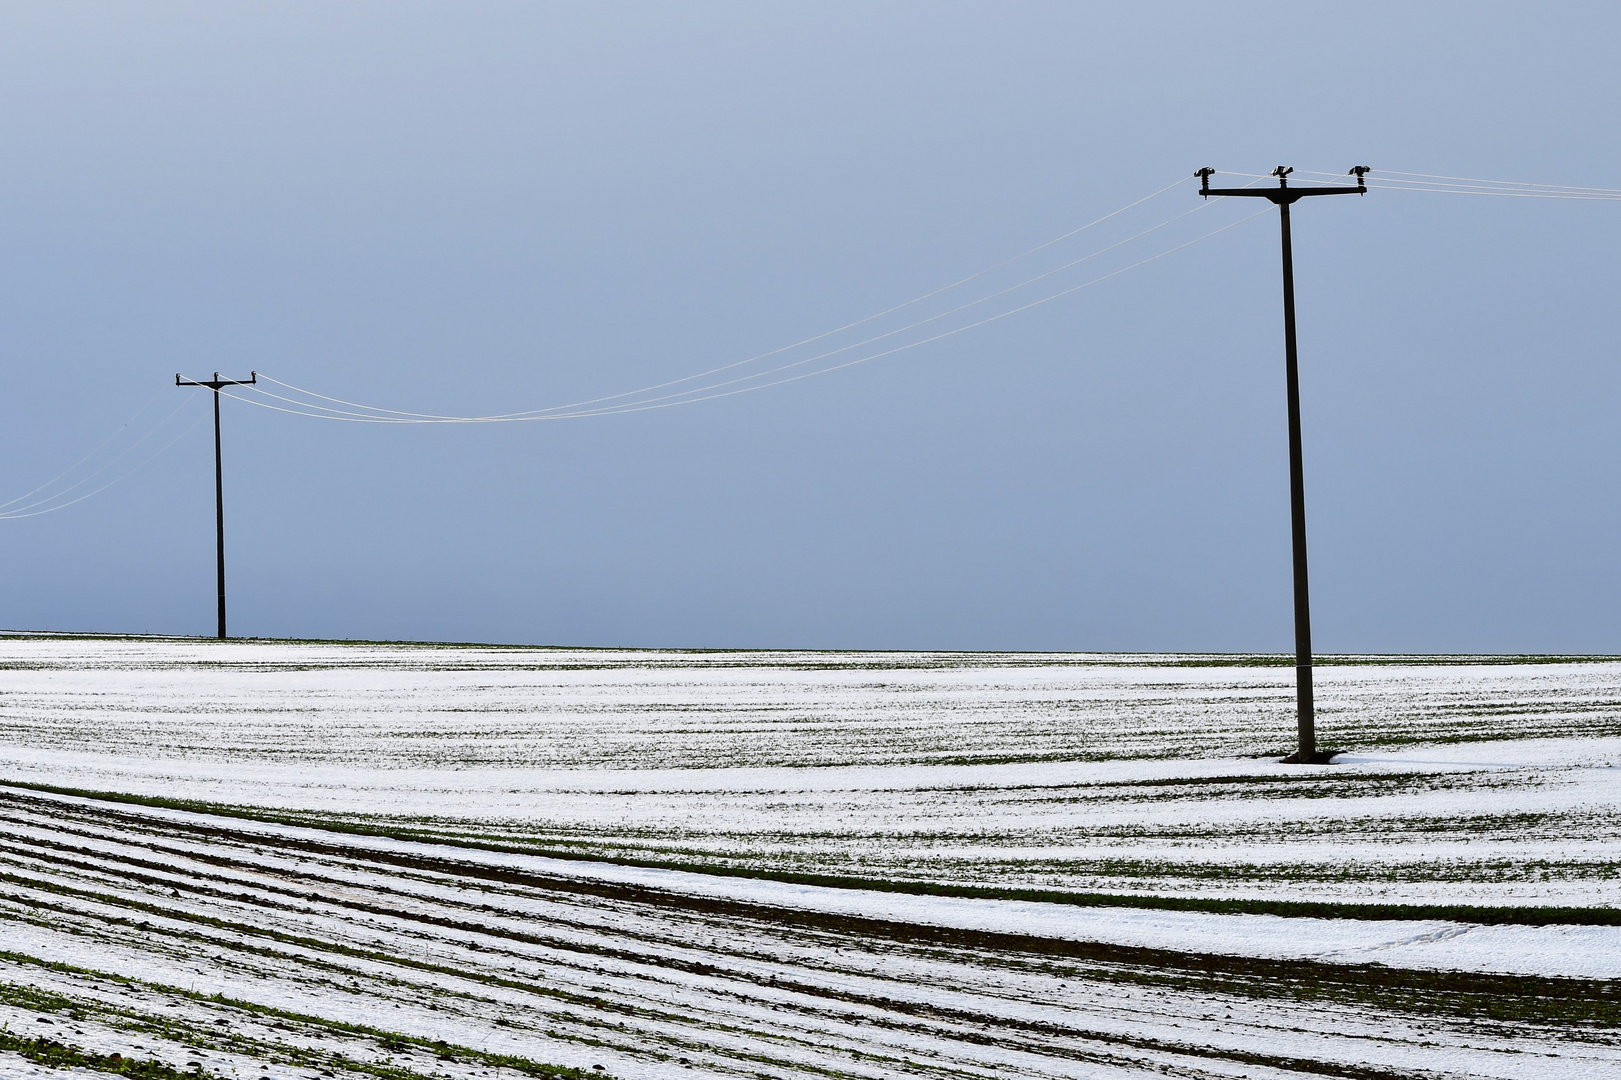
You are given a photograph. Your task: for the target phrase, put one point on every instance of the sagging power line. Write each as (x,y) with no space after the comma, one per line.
(1283,196)
(301,401)
(88,476)
(215,384)
(711,392)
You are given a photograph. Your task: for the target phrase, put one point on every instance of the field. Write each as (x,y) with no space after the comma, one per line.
(304,860)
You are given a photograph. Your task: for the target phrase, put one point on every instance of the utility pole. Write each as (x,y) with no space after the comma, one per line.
(1284,196)
(214,384)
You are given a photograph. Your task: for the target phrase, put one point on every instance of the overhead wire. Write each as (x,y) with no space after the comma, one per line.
(1436,189)
(17,511)
(51,503)
(936,337)
(1395,180)
(569,410)
(713,391)
(116,480)
(378,410)
(708,391)
(630,401)
(93,452)
(1506,183)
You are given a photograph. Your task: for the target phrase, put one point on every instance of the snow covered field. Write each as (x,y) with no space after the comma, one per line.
(777,863)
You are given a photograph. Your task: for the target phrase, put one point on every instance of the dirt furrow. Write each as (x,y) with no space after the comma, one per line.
(775,991)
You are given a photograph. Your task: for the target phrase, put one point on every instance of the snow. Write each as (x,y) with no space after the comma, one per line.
(1140,775)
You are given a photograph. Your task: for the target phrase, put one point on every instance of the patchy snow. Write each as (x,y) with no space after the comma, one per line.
(1570,951)
(1473,782)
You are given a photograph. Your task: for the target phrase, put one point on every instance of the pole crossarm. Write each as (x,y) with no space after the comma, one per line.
(216,382)
(1283,194)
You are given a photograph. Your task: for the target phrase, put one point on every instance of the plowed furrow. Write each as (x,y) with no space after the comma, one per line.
(421,943)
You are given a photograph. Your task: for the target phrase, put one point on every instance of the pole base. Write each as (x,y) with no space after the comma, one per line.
(1317,757)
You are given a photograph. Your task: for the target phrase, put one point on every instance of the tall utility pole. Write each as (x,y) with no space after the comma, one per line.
(1285,196)
(214,384)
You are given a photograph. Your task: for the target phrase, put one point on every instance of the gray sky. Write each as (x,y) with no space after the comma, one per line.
(478,208)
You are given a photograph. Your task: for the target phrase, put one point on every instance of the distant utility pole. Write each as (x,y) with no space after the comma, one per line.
(214,384)
(1284,196)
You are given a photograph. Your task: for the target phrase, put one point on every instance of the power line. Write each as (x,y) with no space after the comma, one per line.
(119,430)
(52,502)
(633,406)
(18,514)
(360,413)
(1389,180)
(558,412)
(541,414)
(946,334)
(1499,183)
(406,415)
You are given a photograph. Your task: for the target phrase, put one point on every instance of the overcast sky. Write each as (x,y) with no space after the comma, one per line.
(478,208)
